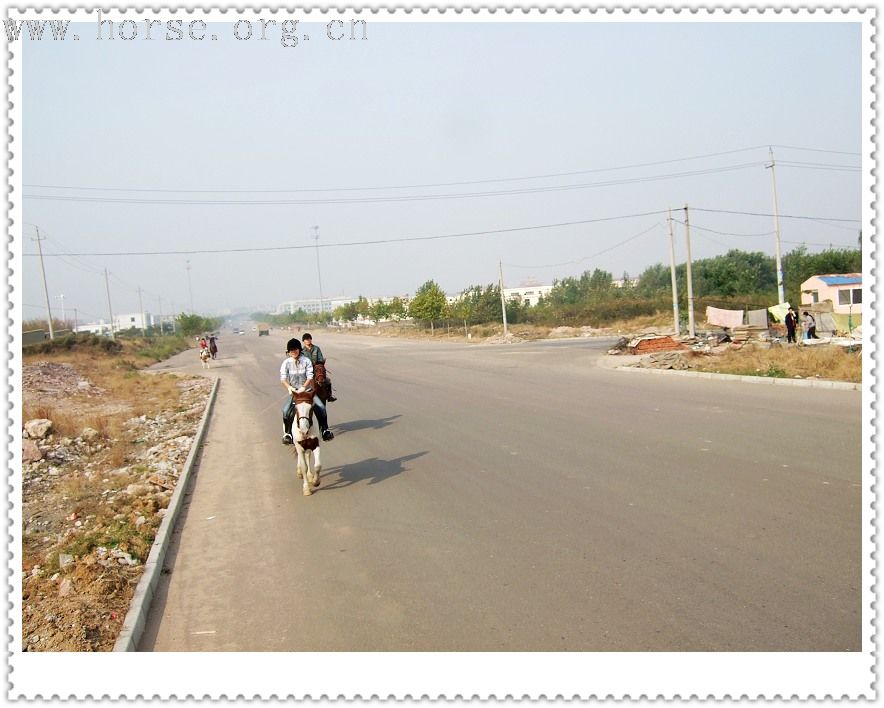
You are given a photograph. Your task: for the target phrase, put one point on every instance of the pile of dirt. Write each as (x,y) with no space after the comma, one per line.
(92,503)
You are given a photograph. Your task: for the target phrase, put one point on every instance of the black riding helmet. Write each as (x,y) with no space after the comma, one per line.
(292,345)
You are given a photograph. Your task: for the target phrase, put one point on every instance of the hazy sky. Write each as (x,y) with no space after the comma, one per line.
(531,124)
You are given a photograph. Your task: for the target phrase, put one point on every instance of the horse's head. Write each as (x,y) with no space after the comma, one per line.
(319,372)
(303,416)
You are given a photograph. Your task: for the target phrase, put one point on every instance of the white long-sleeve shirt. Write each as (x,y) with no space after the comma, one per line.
(296,372)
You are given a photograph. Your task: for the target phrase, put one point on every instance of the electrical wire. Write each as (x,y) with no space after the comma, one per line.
(818,164)
(723,233)
(586,258)
(807,149)
(403,198)
(406,186)
(781,216)
(255,249)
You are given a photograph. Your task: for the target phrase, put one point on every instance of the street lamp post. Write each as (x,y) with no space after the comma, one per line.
(318,271)
(189,287)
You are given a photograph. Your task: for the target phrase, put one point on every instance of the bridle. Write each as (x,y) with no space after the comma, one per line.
(308,418)
(305,397)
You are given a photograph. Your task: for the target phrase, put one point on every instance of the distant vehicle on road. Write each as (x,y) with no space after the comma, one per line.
(263,329)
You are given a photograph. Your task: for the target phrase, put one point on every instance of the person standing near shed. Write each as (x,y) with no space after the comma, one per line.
(791,326)
(810,325)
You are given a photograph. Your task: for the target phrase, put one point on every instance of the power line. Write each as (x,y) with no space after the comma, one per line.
(402,198)
(256,249)
(435,184)
(812,243)
(820,167)
(404,186)
(807,149)
(818,164)
(724,233)
(782,216)
(586,258)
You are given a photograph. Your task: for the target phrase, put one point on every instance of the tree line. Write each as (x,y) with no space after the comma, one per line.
(737,280)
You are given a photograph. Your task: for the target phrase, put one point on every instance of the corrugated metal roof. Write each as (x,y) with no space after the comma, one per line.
(849,279)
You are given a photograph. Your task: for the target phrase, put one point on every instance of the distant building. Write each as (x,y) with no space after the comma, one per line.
(844,291)
(123,322)
(528,294)
(311,305)
(101,327)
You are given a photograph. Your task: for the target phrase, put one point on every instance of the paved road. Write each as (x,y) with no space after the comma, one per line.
(517,497)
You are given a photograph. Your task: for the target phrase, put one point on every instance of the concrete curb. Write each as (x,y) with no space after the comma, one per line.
(136,617)
(812,383)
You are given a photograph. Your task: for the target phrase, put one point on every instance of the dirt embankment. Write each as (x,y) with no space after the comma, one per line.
(102,451)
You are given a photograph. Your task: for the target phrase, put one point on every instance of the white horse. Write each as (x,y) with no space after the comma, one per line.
(306,442)
(204,358)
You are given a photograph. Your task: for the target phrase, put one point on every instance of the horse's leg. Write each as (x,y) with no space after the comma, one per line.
(317,466)
(311,472)
(302,463)
(305,471)
(308,471)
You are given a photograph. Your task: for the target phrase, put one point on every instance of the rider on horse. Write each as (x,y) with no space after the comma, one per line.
(296,372)
(323,387)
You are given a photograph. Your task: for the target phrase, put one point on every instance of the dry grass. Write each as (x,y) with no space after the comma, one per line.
(126,393)
(820,361)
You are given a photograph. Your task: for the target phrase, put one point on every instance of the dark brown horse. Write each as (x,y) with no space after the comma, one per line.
(323,384)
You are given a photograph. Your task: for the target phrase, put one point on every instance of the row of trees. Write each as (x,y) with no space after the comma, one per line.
(193,325)
(738,278)
(190,325)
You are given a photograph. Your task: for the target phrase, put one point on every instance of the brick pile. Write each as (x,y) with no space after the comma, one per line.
(648,345)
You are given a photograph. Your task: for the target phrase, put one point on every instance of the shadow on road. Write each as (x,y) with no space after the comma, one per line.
(362,424)
(372,470)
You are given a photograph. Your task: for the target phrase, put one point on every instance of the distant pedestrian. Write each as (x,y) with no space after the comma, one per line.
(791,326)
(809,325)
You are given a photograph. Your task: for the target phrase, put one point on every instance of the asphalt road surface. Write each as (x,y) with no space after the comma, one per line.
(516,498)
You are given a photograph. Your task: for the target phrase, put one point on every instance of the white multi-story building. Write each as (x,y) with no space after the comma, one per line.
(311,305)
(123,322)
(137,320)
(528,294)
(101,327)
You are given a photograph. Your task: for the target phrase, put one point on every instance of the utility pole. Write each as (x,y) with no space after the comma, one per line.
(502,300)
(672,271)
(75,320)
(109,308)
(776,221)
(160,299)
(141,307)
(687,230)
(45,290)
(318,271)
(189,287)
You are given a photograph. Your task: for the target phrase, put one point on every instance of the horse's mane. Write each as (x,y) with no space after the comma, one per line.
(304,397)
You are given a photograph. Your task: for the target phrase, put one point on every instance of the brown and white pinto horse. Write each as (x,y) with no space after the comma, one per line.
(306,442)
